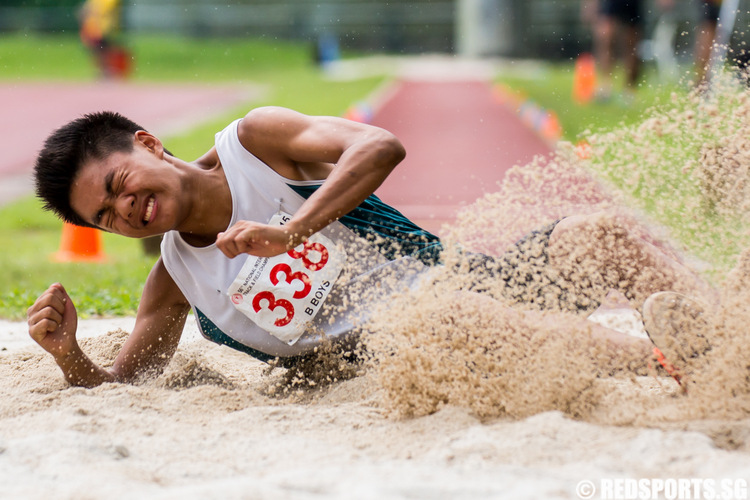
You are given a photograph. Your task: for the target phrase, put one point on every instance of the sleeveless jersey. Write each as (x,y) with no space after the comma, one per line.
(376,238)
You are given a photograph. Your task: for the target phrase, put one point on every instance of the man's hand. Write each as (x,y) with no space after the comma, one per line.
(53,322)
(158,326)
(256,239)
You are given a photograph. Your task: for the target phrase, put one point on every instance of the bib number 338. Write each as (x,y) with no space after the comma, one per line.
(283,294)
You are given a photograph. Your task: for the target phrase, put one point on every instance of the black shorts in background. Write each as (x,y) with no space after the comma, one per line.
(709,10)
(625,11)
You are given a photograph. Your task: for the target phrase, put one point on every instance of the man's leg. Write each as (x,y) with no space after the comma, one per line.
(598,252)
(705,34)
(605,29)
(613,350)
(631,38)
(704,41)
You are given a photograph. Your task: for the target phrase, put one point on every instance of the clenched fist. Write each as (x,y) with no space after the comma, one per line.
(256,239)
(53,321)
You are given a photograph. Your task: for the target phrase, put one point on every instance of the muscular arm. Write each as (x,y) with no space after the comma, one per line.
(158,327)
(302,147)
(159,322)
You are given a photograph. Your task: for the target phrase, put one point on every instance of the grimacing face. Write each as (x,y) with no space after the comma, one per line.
(129,193)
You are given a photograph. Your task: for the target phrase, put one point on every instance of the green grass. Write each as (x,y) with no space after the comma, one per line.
(156,58)
(551,87)
(651,152)
(30,236)
(27,57)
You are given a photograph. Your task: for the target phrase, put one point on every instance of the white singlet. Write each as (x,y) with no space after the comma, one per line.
(204,274)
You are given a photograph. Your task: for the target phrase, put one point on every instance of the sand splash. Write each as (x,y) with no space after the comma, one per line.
(500,355)
(684,167)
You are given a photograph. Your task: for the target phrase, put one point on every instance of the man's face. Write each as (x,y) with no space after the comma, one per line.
(129,193)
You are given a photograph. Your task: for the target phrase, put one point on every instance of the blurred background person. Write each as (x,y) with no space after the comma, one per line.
(100,24)
(705,34)
(616,26)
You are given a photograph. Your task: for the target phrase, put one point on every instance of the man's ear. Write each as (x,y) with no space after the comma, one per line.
(150,142)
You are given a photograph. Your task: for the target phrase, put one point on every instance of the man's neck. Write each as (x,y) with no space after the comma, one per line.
(211,202)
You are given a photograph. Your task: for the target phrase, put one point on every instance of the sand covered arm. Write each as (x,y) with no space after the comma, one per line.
(53,323)
(353,158)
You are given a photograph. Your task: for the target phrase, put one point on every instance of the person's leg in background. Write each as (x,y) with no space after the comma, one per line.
(704,40)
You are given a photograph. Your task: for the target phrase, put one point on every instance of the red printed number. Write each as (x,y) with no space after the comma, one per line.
(290,276)
(309,246)
(273,303)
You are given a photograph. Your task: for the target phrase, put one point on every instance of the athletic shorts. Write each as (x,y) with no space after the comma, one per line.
(709,10)
(625,11)
(526,276)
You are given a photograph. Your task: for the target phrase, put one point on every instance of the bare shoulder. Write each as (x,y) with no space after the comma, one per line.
(270,132)
(267,123)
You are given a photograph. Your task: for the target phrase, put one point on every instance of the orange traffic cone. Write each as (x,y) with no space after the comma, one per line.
(584,79)
(79,244)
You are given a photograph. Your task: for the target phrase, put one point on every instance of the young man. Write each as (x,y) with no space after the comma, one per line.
(273,236)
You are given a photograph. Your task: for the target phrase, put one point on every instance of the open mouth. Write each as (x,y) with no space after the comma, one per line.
(149,210)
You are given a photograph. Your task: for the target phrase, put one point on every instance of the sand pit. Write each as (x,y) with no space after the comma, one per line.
(459,398)
(208,429)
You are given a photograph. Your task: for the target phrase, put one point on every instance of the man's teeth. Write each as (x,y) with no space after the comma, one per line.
(149,210)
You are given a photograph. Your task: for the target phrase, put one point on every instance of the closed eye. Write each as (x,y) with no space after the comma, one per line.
(108,187)
(116,184)
(98,218)
(104,218)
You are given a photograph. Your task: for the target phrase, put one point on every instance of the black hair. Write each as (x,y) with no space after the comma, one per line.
(93,136)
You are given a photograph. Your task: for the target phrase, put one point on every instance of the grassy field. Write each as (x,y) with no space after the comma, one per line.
(29,235)
(551,87)
(651,150)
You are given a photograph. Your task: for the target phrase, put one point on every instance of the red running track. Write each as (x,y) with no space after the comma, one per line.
(32,110)
(460,140)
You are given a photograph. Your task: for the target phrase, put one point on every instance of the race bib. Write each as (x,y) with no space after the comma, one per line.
(283,294)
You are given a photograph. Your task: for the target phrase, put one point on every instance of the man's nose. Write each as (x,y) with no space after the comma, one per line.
(125,206)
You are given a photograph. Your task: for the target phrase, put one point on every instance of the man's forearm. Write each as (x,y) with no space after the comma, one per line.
(361,170)
(79,370)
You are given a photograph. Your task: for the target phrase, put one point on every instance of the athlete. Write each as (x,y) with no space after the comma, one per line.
(274,235)
(99,27)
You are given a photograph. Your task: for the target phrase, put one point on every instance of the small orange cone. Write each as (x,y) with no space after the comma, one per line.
(551,128)
(583,149)
(79,244)
(584,79)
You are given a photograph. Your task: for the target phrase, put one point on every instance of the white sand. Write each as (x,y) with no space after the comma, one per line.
(209,441)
